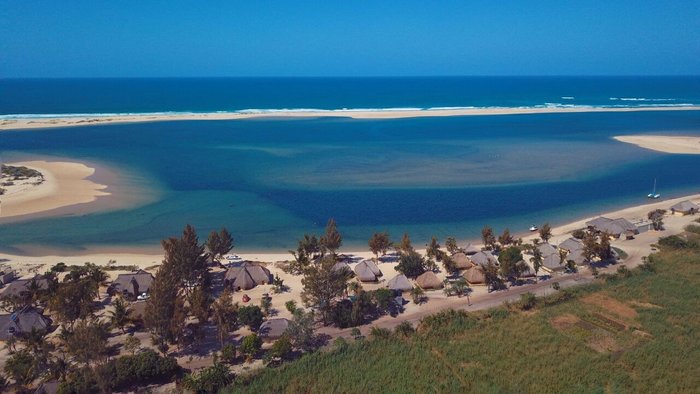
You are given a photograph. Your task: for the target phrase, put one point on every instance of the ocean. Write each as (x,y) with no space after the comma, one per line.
(269,181)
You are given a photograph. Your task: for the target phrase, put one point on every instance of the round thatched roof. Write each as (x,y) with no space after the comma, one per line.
(247,276)
(400,282)
(273,328)
(428,280)
(462,261)
(475,276)
(366,271)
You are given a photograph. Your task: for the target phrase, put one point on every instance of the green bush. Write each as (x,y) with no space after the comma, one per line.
(250,316)
(208,380)
(673,242)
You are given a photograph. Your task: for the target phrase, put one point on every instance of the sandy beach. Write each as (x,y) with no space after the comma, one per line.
(64,184)
(70,121)
(664,143)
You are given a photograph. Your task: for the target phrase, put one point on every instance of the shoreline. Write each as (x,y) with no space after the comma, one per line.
(662,143)
(139,255)
(54,121)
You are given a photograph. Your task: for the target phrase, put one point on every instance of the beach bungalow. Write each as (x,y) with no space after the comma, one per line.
(483,258)
(685,208)
(547,249)
(429,281)
(571,244)
(22,321)
(399,283)
(247,276)
(461,261)
(475,276)
(471,250)
(131,285)
(273,329)
(22,287)
(577,257)
(6,277)
(341,265)
(529,272)
(614,227)
(552,262)
(367,271)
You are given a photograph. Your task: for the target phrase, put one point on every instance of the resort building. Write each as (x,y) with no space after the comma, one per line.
(461,261)
(247,276)
(428,281)
(685,208)
(475,276)
(614,227)
(132,285)
(273,329)
(483,258)
(367,271)
(399,283)
(23,321)
(23,287)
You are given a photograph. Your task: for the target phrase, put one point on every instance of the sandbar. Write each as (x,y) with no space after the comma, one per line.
(664,143)
(65,184)
(48,121)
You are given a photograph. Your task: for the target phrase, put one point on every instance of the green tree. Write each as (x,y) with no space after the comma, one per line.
(87,341)
(451,245)
(281,349)
(250,345)
(405,245)
(219,244)
(74,300)
(536,260)
(251,316)
(200,304)
(301,330)
(509,260)
(323,284)
(186,258)
(546,232)
(493,281)
(224,315)
(119,316)
(165,311)
(211,379)
(379,243)
(291,306)
(657,218)
(603,249)
(433,250)
(332,240)
(590,246)
(20,367)
(411,264)
(505,239)
(132,344)
(449,264)
(417,294)
(488,238)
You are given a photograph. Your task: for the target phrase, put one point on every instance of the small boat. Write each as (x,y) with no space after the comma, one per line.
(653,193)
(533,228)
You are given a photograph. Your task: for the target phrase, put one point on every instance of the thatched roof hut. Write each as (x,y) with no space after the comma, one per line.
(571,244)
(483,258)
(462,261)
(273,329)
(552,262)
(247,276)
(428,280)
(685,208)
(132,284)
(22,322)
(577,257)
(547,249)
(475,275)
(471,249)
(399,283)
(367,271)
(340,266)
(528,272)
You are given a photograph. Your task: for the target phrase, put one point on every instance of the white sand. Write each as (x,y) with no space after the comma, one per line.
(47,122)
(65,184)
(664,143)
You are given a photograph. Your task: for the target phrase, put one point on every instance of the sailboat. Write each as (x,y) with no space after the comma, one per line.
(653,193)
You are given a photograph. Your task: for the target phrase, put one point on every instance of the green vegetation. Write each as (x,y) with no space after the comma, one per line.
(631,331)
(19,173)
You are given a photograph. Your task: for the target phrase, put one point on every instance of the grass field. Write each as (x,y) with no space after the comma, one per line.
(635,331)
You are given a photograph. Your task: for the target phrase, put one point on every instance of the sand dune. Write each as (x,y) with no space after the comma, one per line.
(49,122)
(664,143)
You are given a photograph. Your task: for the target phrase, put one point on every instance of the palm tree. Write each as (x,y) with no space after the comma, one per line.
(119,317)
(355,287)
(536,260)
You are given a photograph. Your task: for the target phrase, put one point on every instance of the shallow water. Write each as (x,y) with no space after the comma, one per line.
(270,181)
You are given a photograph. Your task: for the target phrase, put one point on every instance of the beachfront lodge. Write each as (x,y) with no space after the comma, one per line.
(132,286)
(247,276)
(685,208)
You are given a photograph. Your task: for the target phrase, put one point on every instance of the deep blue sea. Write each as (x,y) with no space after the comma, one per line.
(272,180)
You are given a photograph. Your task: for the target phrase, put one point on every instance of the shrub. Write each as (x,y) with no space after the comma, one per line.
(250,316)
(379,333)
(527,301)
(291,306)
(208,380)
(250,345)
(340,344)
(693,228)
(578,234)
(673,242)
(282,348)
(228,353)
(404,329)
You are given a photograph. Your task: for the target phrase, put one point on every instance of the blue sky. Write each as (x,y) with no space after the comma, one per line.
(95,38)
